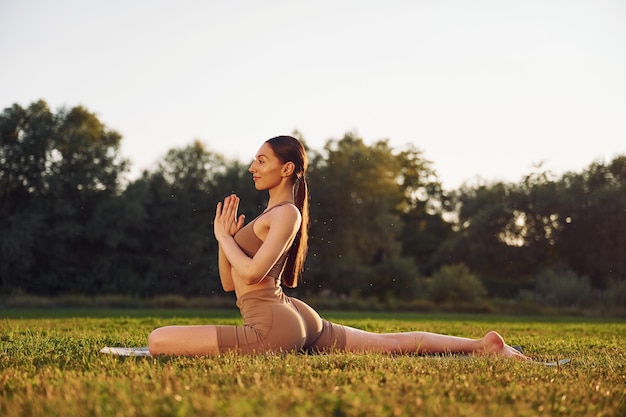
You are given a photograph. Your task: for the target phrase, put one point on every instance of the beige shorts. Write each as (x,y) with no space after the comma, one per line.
(274,322)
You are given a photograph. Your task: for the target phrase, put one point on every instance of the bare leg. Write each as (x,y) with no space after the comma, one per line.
(184,340)
(423,342)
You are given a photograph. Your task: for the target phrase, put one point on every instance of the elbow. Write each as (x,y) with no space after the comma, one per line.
(252,277)
(227,283)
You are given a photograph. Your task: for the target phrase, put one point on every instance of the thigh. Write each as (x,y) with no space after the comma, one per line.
(279,329)
(184,340)
(321,335)
(310,317)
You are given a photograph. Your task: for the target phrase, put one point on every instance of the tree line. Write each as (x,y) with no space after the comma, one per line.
(382,226)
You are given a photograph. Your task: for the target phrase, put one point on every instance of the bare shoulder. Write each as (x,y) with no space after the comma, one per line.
(286,216)
(286,213)
(283,221)
(288,209)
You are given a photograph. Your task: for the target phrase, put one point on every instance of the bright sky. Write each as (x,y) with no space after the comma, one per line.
(485,88)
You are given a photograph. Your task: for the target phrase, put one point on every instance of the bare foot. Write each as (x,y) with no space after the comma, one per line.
(493,344)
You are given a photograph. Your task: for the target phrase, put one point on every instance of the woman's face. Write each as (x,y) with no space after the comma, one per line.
(266,169)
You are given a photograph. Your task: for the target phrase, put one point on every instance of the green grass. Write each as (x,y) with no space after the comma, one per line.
(50,366)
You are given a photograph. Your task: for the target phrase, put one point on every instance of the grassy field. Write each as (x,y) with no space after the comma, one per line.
(50,366)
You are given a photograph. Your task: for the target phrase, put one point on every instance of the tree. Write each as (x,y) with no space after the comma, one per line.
(485,213)
(57,172)
(509,232)
(423,209)
(85,174)
(455,283)
(25,147)
(559,286)
(592,239)
(176,252)
(359,194)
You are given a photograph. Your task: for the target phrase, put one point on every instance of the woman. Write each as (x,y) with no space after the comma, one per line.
(269,251)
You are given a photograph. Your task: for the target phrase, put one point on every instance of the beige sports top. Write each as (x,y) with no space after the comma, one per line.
(250,243)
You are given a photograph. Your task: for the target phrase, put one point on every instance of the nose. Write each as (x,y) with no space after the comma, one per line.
(251,168)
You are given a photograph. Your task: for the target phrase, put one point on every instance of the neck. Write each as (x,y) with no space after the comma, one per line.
(279,195)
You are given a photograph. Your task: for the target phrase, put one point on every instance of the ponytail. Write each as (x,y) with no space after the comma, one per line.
(290,149)
(297,254)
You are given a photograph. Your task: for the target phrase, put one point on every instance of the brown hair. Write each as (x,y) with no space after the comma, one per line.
(290,149)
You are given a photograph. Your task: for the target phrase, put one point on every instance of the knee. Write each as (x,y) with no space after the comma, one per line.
(157,341)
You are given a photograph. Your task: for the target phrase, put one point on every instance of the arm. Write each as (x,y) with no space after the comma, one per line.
(282,224)
(224,266)
(226,276)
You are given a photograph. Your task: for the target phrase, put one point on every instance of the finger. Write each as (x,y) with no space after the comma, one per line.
(228,202)
(224,206)
(218,210)
(235,209)
(233,203)
(240,221)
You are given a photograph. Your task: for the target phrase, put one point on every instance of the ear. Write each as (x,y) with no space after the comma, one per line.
(288,169)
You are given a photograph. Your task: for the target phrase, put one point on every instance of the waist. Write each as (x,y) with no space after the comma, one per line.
(270,294)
